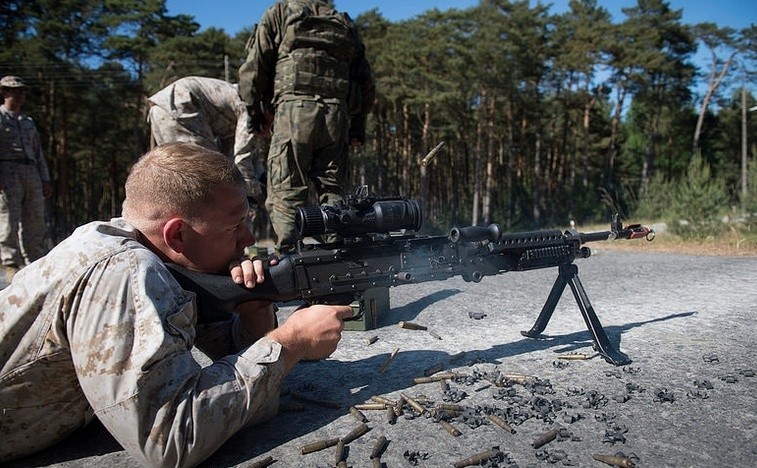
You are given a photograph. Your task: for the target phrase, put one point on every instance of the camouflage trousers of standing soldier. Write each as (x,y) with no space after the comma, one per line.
(308,149)
(22,214)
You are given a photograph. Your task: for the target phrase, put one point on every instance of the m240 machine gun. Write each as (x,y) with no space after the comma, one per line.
(379,248)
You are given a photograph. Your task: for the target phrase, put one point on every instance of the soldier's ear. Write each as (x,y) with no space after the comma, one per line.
(174,235)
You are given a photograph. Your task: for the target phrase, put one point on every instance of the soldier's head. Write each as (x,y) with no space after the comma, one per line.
(190,203)
(13,90)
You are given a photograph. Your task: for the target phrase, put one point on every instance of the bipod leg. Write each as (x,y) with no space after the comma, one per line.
(549,306)
(601,341)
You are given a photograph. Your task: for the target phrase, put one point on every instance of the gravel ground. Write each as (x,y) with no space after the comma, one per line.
(689,397)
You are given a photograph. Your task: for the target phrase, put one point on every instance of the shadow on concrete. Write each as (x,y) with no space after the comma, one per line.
(342,382)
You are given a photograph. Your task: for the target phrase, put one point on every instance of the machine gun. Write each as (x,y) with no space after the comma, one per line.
(378,248)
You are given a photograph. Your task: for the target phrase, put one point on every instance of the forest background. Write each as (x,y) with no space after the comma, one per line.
(545,118)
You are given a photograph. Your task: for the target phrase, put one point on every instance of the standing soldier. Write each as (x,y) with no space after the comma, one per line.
(307,75)
(24,181)
(207,112)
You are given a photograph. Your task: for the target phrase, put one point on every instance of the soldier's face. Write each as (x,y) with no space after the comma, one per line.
(15,95)
(221,235)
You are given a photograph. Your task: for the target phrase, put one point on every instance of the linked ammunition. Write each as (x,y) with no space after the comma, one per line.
(388,361)
(501,423)
(614,460)
(358,415)
(411,326)
(339,452)
(450,428)
(371,340)
(545,438)
(324,403)
(378,448)
(320,445)
(479,458)
(414,404)
(370,406)
(262,463)
(356,433)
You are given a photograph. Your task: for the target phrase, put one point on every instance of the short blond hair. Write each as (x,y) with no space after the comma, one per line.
(177,179)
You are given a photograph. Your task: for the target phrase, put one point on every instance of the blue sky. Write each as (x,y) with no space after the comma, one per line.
(235,15)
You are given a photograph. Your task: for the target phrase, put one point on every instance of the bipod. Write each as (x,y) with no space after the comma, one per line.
(569,275)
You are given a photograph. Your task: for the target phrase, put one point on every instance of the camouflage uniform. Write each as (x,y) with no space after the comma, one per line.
(306,64)
(23,170)
(207,112)
(99,328)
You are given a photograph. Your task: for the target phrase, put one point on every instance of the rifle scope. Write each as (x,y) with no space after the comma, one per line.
(350,220)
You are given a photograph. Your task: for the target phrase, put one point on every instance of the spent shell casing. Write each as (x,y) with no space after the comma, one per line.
(614,460)
(450,407)
(371,340)
(376,463)
(434,378)
(380,399)
(358,415)
(545,438)
(432,153)
(378,448)
(433,369)
(479,458)
(391,415)
(450,428)
(414,404)
(411,326)
(262,463)
(435,335)
(320,445)
(573,357)
(339,452)
(501,423)
(444,385)
(370,406)
(342,464)
(356,433)
(398,408)
(388,361)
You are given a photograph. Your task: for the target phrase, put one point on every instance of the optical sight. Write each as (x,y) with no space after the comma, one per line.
(359,214)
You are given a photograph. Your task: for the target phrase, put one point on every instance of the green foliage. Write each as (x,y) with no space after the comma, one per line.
(530,132)
(655,201)
(698,204)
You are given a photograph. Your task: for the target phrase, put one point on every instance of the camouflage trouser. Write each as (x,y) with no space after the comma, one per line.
(309,146)
(22,214)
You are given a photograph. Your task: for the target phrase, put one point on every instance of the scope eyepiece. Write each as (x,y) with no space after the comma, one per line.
(348,220)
